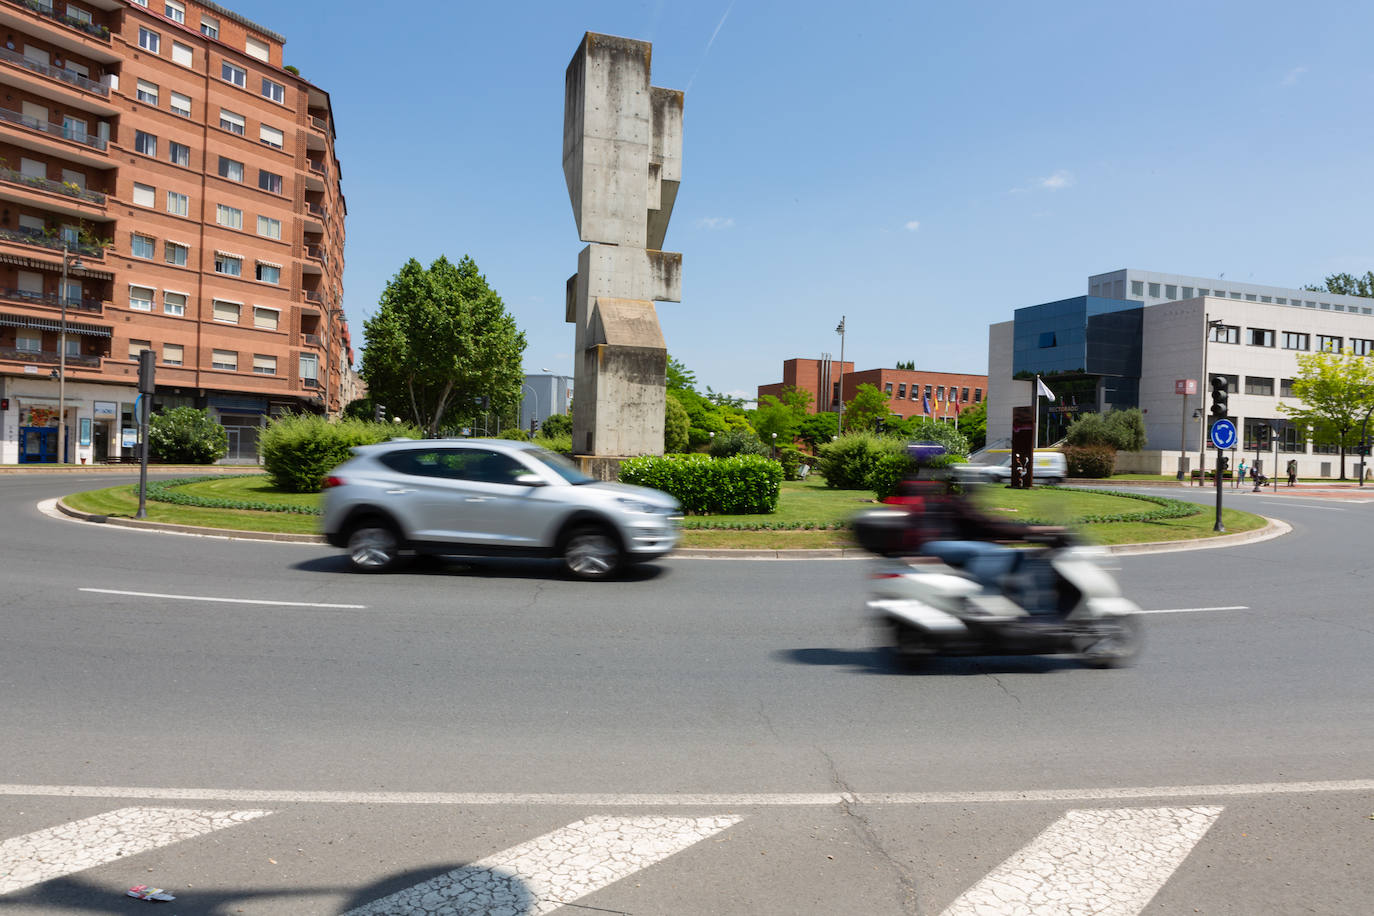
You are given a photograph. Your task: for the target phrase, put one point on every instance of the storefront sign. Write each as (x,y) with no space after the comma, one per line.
(129,438)
(85,431)
(105,410)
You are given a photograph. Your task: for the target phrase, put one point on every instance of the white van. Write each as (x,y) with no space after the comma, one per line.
(1050,467)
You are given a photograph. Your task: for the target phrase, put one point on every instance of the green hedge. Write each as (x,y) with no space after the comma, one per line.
(166,491)
(298,450)
(1168,508)
(1097,461)
(740,485)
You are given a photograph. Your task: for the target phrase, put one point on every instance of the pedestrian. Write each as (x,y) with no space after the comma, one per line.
(1240,474)
(1292,471)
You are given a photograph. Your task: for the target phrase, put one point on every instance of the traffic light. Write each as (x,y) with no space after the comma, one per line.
(534,425)
(1262,437)
(1220,407)
(1225,464)
(379,413)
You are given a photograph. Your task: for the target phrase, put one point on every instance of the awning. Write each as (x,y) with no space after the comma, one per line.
(55,266)
(270,264)
(48,324)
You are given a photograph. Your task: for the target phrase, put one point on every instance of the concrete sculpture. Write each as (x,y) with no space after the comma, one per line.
(622,159)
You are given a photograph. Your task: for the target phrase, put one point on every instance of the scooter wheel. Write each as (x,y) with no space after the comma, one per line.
(910,645)
(1112,643)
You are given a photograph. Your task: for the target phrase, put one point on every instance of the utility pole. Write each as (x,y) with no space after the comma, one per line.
(839,421)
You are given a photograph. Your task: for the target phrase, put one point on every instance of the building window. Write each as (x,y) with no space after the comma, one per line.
(1295,341)
(270,136)
(173,303)
(1281,300)
(1250,297)
(227,312)
(231,122)
(1255,384)
(178,204)
(178,153)
(888,389)
(310,367)
(145,143)
(144,196)
(141,298)
(175,10)
(140,246)
(227,360)
(257,48)
(1361,346)
(209,27)
(172,354)
(175,253)
(269,181)
(1226,333)
(265,318)
(927,391)
(229,217)
(147,92)
(1326,343)
(228,264)
(274,91)
(1137,287)
(138,346)
(264,365)
(1187,292)
(1285,387)
(268,273)
(269,228)
(1259,337)
(1235,295)
(1253,425)
(901,391)
(181,104)
(1154,290)
(1203,291)
(149,40)
(1266,299)
(1170,291)
(1232,382)
(232,74)
(1047,340)
(940,393)
(963,395)
(29,342)
(181,54)
(231,169)
(77,13)
(977,395)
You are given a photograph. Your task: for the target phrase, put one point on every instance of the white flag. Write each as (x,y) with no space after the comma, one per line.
(1042,388)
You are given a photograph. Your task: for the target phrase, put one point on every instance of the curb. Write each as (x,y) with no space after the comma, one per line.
(227,534)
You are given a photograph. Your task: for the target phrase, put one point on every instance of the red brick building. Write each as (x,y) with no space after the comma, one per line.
(911,393)
(193,180)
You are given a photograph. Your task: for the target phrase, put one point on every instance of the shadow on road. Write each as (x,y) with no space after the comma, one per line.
(882,660)
(477,568)
(468,889)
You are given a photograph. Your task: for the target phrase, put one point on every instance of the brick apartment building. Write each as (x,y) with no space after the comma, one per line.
(193,182)
(911,393)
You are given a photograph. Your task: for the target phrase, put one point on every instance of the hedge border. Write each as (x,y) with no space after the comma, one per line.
(162,491)
(1169,508)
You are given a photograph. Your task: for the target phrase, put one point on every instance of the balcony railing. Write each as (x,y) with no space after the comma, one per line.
(57,73)
(319,124)
(312,340)
(39,237)
(48,356)
(318,253)
(46,9)
(93,306)
(314,295)
(71,189)
(59,130)
(316,167)
(317,210)
(310,383)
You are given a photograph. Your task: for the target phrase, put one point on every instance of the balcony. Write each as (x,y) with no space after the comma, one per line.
(57,73)
(315,296)
(316,167)
(48,356)
(11,176)
(57,130)
(317,210)
(319,124)
(312,340)
(87,306)
(310,383)
(317,252)
(46,9)
(43,240)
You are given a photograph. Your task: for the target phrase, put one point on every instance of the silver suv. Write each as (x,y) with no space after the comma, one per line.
(472,497)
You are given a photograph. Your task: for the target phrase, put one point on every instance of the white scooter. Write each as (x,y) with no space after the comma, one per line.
(977,598)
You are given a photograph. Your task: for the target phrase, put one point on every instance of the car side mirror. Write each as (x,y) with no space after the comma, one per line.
(529,479)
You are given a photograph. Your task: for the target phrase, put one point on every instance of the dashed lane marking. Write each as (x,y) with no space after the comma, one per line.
(79,845)
(553,870)
(115,591)
(1195,610)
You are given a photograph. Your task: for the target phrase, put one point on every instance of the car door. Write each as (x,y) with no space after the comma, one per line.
(469,495)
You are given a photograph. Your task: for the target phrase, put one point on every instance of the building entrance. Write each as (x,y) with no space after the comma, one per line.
(37,444)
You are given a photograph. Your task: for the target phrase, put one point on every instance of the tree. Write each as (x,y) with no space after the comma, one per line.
(1127,429)
(973,423)
(675,425)
(555,425)
(441,348)
(782,415)
(1335,390)
(866,409)
(1346,285)
(909,365)
(816,429)
(679,377)
(185,435)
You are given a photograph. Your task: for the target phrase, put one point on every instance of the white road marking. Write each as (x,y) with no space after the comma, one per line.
(553,870)
(115,591)
(745,800)
(83,844)
(1099,861)
(1194,610)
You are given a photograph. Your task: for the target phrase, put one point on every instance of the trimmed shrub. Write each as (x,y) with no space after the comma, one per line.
(185,435)
(298,450)
(556,425)
(738,485)
(1127,428)
(892,467)
(790,457)
(849,461)
(1090,460)
(514,433)
(675,425)
(737,442)
(559,443)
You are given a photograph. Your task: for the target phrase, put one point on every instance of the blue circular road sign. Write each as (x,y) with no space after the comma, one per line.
(1224,434)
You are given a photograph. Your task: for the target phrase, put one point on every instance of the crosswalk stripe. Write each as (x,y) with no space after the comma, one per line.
(78,845)
(1108,862)
(553,870)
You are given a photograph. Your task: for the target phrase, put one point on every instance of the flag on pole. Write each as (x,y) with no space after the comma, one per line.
(1042,389)
(925,404)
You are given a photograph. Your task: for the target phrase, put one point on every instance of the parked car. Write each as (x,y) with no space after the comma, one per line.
(1050,467)
(472,497)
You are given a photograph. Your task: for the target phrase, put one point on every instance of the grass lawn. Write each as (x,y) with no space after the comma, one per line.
(802,502)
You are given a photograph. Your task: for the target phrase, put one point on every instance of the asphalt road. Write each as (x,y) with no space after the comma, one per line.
(451,713)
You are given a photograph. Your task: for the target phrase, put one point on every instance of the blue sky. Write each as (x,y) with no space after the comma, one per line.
(921,168)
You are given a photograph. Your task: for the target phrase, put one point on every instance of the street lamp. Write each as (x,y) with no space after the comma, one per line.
(839,420)
(523,385)
(68,260)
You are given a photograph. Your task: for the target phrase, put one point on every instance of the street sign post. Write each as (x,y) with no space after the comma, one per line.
(1224,438)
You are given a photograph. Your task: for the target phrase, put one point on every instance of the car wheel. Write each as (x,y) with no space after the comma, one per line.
(374,547)
(592,553)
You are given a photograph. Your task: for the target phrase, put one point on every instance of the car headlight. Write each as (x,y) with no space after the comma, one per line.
(635,505)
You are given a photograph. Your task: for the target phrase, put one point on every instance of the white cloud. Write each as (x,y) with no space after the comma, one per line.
(1291,76)
(716,222)
(912,225)
(1058,181)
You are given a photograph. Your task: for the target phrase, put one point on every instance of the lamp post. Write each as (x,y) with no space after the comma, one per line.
(839,420)
(1364,442)
(1208,325)
(68,260)
(535,415)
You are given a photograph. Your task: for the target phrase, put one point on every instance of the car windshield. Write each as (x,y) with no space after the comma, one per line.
(561,466)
